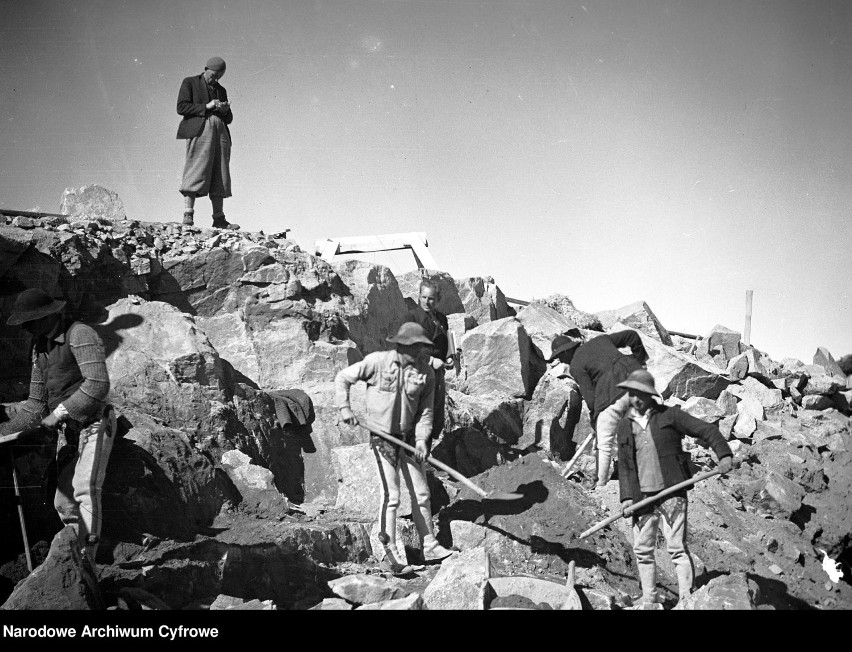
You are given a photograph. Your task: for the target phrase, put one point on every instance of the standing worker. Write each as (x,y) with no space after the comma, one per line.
(203,103)
(436,326)
(598,366)
(651,459)
(69,381)
(400,395)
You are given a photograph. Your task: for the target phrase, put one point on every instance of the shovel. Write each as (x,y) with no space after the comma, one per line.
(564,472)
(494,494)
(3,440)
(629,510)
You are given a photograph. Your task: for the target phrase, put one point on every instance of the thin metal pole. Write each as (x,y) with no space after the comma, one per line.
(21,511)
(747,330)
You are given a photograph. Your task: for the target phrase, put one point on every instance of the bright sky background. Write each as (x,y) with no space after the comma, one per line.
(678,152)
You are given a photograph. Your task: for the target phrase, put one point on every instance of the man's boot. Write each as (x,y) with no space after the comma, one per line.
(219,222)
(648,580)
(188,217)
(434,551)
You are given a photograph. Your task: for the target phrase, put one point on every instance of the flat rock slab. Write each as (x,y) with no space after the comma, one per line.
(366,589)
(728,592)
(411,602)
(459,582)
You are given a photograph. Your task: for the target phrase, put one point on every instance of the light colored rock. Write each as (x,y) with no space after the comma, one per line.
(703,408)
(768,397)
(542,323)
(564,305)
(727,402)
(552,415)
(358,486)
(482,299)
(677,374)
(92,202)
(744,426)
(723,344)
(637,316)
(498,418)
(776,495)
(458,583)
(750,407)
(823,358)
(499,360)
(726,592)
(366,589)
(230,603)
(332,604)
(411,602)
(817,402)
(245,475)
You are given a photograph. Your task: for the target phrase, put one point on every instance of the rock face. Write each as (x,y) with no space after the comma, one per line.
(92,203)
(449,303)
(552,416)
(458,584)
(482,299)
(543,323)
(824,359)
(637,316)
(565,306)
(499,359)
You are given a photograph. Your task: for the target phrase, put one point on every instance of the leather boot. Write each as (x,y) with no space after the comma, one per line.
(434,551)
(187,217)
(219,222)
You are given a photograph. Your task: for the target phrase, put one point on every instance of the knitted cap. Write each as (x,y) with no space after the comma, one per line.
(215,63)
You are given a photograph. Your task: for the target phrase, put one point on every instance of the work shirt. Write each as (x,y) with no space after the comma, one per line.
(399,398)
(647,460)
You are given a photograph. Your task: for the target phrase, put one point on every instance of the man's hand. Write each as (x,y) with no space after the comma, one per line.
(436,363)
(50,421)
(421,450)
(450,362)
(625,504)
(348,416)
(726,464)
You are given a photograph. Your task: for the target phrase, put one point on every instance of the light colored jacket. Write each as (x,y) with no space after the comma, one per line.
(399,399)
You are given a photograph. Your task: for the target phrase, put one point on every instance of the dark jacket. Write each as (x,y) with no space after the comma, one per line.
(668,426)
(436,332)
(192,105)
(598,366)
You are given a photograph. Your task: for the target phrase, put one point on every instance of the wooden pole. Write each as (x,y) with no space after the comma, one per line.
(747,329)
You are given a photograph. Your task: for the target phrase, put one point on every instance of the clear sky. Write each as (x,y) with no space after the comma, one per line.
(679,152)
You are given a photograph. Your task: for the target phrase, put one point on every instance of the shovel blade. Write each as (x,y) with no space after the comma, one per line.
(501,495)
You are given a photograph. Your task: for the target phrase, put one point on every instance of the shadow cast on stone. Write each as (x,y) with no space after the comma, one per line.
(109,330)
(774,593)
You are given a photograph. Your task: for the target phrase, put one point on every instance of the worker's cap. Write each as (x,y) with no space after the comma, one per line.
(33,304)
(215,63)
(410,333)
(564,343)
(642,380)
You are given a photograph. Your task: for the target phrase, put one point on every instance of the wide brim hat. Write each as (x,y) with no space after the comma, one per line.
(641,380)
(33,304)
(410,333)
(563,343)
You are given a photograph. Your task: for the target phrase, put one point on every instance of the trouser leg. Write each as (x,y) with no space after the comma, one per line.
(389,500)
(644,541)
(418,488)
(674,514)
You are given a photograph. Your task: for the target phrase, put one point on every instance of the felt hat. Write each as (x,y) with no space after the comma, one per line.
(562,343)
(215,63)
(642,380)
(33,304)
(410,333)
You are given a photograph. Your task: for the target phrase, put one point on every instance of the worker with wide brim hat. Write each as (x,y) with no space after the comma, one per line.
(410,333)
(640,380)
(562,343)
(33,304)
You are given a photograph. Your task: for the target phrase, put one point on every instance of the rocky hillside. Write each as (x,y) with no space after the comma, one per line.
(214,499)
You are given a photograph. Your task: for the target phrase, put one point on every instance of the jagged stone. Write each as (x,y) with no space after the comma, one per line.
(703,408)
(543,323)
(723,344)
(552,415)
(819,382)
(776,495)
(637,316)
(411,602)
(744,426)
(726,426)
(499,360)
(458,583)
(358,482)
(727,592)
(245,475)
(230,603)
(817,402)
(92,202)
(333,604)
(460,323)
(366,589)
(750,407)
(823,358)
(497,417)
(58,583)
(482,299)
(677,374)
(769,397)
(563,305)
(727,402)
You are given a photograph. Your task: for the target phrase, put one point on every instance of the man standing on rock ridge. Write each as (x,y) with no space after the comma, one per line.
(69,382)
(203,103)
(436,326)
(400,395)
(651,459)
(598,366)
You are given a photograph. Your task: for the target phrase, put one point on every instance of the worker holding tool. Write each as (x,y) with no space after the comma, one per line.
(69,383)
(434,322)
(598,366)
(400,396)
(651,459)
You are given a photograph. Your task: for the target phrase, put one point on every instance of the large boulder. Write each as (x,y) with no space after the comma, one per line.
(92,203)
(543,323)
(497,417)
(458,584)
(726,592)
(482,299)
(678,374)
(563,305)
(722,344)
(824,359)
(499,359)
(637,316)
(552,415)
(358,492)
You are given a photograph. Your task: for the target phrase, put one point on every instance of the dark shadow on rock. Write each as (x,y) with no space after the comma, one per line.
(774,592)
(234,376)
(286,459)
(165,287)
(109,331)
